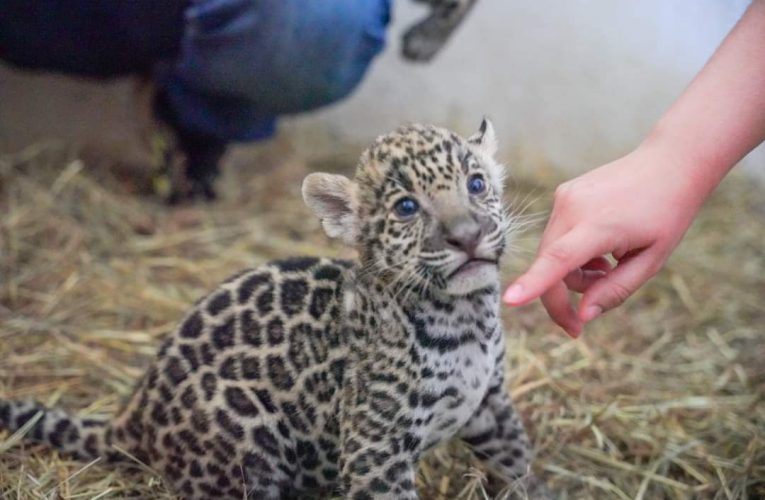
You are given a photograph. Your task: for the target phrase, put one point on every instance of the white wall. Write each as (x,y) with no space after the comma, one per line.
(568,83)
(572,82)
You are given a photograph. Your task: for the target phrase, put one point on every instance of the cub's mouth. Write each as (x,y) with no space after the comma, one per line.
(471,265)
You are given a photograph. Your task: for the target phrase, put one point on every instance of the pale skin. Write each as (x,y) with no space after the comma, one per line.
(638,208)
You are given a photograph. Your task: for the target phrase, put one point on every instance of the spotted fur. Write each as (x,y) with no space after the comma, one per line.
(320,376)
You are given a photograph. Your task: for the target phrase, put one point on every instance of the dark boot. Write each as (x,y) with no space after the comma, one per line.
(201,152)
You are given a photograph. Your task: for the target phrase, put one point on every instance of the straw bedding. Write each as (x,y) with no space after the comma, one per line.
(662,398)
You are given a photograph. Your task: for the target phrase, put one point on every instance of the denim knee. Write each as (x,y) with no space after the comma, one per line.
(275,56)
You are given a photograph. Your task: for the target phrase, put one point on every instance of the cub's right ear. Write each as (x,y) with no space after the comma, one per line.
(332,199)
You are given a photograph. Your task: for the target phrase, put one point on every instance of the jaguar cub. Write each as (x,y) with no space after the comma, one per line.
(319,376)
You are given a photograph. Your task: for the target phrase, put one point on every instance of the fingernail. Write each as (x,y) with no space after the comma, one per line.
(591,313)
(574,331)
(513,294)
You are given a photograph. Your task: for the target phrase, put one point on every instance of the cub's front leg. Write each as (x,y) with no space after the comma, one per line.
(378,450)
(374,471)
(496,435)
(374,467)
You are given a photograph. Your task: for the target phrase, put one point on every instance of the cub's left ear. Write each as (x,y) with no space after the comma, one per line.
(485,139)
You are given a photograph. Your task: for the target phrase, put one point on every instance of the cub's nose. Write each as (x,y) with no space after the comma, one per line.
(465,235)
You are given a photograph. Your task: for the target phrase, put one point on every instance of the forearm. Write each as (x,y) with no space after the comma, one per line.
(721,115)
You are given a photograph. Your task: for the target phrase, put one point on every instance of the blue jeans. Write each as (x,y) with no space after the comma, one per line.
(227,68)
(244,62)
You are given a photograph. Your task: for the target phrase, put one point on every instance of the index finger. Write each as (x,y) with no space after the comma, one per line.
(555,260)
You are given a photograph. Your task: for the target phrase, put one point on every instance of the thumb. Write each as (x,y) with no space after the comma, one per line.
(618,285)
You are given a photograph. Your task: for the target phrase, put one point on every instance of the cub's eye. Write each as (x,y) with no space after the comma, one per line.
(406,207)
(476,184)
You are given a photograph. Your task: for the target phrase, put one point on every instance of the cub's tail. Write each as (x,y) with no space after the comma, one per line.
(83,438)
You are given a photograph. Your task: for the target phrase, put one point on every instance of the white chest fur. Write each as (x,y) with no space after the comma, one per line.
(458,351)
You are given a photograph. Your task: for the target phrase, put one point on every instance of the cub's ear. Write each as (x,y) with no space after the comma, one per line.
(332,199)
(485,139)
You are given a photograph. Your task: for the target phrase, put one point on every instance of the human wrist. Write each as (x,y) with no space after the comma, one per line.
(680,160)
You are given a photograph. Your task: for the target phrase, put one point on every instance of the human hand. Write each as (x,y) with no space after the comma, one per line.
(636,209)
